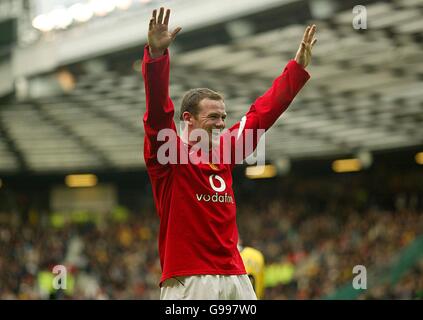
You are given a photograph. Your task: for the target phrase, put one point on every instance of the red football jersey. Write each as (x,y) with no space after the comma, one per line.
(195,202)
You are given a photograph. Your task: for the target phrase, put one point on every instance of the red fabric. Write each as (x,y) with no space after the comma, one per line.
(198,231)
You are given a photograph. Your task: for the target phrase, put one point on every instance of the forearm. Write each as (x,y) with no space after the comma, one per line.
(159,113)
(276,100)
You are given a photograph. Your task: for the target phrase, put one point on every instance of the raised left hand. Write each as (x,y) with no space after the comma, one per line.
(303,56)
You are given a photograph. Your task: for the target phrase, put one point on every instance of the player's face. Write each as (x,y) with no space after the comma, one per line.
(211,117)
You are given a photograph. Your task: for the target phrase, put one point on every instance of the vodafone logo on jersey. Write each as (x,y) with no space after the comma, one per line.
(218,185)
(221,181)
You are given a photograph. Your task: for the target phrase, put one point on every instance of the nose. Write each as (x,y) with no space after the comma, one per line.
(220,124)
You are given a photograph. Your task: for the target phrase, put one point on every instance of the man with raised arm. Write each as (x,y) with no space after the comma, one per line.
(195,202)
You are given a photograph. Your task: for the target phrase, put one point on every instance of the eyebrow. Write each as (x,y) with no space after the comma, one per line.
(218,114)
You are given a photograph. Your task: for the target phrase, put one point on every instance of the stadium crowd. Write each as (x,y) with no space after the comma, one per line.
(313,231)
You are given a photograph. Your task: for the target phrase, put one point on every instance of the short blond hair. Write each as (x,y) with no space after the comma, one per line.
(191,99)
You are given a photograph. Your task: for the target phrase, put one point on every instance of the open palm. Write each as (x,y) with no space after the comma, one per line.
(159,37)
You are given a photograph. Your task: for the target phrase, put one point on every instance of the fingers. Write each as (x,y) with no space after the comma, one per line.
(306,47)
(303,48)
(166,19)
(150,26)
(305,36)
(160,19)
(154,16)
(175,32)
(304,52)
(309,34)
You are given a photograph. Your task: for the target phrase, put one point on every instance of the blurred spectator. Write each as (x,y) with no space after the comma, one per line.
(314,231)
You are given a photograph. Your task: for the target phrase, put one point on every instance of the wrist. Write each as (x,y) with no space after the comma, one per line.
(154,53)
(300,63)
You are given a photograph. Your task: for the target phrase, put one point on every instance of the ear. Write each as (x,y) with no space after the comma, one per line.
(187,117)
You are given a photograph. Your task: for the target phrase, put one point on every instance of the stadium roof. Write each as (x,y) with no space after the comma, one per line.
(366,90)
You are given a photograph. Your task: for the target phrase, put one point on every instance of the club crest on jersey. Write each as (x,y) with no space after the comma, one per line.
(213,167)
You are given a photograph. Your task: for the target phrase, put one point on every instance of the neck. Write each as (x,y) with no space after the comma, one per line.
(186,133)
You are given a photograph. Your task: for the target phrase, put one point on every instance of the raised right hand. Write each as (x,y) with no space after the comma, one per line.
(159,37)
